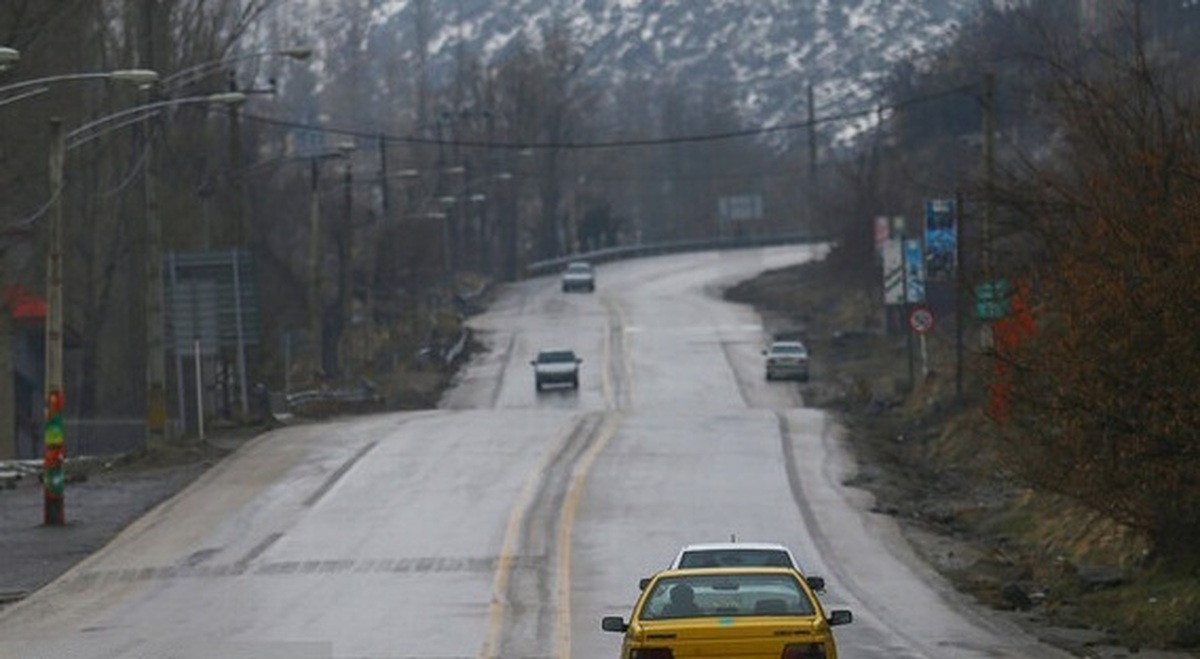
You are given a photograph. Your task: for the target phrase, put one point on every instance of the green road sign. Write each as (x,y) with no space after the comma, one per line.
(992,299)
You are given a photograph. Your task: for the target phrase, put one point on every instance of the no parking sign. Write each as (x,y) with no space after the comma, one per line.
(920,319)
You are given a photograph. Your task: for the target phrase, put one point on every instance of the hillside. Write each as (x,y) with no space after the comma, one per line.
(763,53)
(927,455)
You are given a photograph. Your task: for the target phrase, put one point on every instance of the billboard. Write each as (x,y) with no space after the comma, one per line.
(941,239)
(914,272)
(882,233)
(893,272)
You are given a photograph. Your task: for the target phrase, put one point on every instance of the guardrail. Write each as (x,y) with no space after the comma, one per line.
(320,402)
(549,266)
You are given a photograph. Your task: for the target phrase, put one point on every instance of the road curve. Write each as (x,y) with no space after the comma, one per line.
(508,522)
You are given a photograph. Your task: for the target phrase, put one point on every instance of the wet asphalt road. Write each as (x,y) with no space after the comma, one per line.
(507,523)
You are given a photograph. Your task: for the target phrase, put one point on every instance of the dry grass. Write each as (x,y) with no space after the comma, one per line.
(938,452)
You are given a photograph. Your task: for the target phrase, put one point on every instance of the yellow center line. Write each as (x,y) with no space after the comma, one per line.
(606,383)
(504,563)
(566,522)
(625,365)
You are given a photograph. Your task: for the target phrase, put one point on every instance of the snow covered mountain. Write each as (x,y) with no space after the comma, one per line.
(764,52)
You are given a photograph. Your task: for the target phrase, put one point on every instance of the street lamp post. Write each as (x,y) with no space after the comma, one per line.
(314,311)
(54,441)
(315,317)
(345,248)
(156,358)
(197,72)
(54,513)
(315,329)
(448,204)
(53,437)
(11,94)
(172,84)
(27,88)
(453,226)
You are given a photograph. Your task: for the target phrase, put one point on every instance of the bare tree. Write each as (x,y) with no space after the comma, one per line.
(1093,376)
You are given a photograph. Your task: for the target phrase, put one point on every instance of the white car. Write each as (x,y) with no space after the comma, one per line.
(787,360)
(579,276)
(559,366)
(741,554)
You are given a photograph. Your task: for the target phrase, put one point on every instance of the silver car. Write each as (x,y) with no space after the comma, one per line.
(787,360)
(579,276)
(559,366)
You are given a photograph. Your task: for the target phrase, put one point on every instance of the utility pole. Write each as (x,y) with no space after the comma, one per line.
(8,407)
(315,328)
(812,158)
(54,444)
(242,236)
(384,202)
(235,165)
(345,247)
(156,364)
(989,169)
(960,309)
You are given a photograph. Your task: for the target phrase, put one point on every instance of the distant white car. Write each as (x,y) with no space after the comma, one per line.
(787,360)
(559,366)
(740,554)
(579,276)
(734,554)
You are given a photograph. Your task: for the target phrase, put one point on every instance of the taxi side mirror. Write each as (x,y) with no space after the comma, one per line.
(615,624)
(840,617)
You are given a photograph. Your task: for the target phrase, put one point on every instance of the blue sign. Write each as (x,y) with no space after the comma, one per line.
(914,272)
(941,239)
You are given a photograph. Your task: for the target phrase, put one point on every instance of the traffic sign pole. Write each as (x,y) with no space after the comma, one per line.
(920,321)
(924,360)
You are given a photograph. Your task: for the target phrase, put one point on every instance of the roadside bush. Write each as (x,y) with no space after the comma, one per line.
(1097,365)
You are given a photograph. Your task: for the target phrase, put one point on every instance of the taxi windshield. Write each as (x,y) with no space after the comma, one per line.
(725,595)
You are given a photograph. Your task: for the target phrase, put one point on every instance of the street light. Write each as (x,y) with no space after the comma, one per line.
(129,116)
(53,439)
(313,160)
(26,88)
(197,72)
(8,57)
(190,75)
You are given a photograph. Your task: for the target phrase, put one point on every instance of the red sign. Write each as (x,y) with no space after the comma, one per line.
(920,319)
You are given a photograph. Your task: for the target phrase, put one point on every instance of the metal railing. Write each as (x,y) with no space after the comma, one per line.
(548,266)
(91,437)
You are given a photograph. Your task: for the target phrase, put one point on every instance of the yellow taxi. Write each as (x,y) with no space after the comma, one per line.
(743,612)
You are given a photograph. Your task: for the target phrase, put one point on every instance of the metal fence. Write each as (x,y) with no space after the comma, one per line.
(91,437)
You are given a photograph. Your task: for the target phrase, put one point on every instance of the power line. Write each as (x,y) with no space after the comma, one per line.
(614,144)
